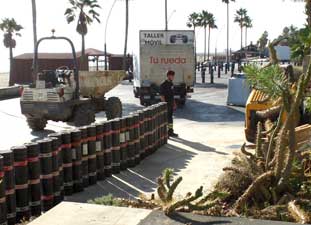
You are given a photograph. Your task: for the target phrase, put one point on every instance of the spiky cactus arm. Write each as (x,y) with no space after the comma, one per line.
(172,189)
(184,202)
(243,150)
(270,113)
(167,175)
(297,213)
(252,190)
(280,151)
(258,150)
(272,141)
(162,192)
(302,84)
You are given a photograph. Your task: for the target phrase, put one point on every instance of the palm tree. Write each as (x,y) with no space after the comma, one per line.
(34,25)
(10,27)
(240,19)
(126,32)
(211,25)
(308,10)
(193,22)
(247,24)
(227,2)
(84,10)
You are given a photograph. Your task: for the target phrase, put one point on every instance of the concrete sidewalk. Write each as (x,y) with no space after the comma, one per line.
(68,213)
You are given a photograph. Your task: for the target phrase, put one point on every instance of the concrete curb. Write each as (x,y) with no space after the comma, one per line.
(69,213)
(9,92)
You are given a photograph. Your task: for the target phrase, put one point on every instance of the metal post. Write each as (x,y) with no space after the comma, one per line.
(166,15)
(105,57)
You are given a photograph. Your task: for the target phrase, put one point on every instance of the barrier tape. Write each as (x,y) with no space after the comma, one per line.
(11,215)
(92,156)
(68,184)
(78,163)
(99,153)
(55,174)
(108,150)
(22,209)
(117,148)
(91,138)
(34,181)
(33,159)
(92,174)
(66,146)
(47,197)
(2,200)
(20,164)
(47,176)
(1,174)
(115,131)
(45,155)
(10,191)
(107,167)
(21,186)
(76,144)
(7,168)
(36,203)
(66,165)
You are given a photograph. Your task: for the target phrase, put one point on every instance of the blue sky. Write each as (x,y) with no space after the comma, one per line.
(146,14)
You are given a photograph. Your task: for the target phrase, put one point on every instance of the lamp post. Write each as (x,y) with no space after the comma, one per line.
(105,46)
(165,14)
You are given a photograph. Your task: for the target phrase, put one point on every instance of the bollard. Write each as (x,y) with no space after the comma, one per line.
(141,134)
(34,171)
(147,130)
(107,148)
(21,183)
(218,71)
(91,136)
(100,152)
(76,161)
(136,138)
(115,145)
(212,76)
(131,141)
(123,144)
(46,166)
(153,127)
(165,123)
(3,210)
(58,175)
(9,182)
(67,163)
(85,163)
(158,126)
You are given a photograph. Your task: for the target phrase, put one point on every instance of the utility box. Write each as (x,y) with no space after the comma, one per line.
(238,90)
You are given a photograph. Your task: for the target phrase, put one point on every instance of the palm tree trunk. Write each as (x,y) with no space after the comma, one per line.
(82,61)
(204,44)
(11,82)
(195,47)
(34,25)
(228,33)
(245,37)
(126,33)
(241,37)
(308,12)
(209,40)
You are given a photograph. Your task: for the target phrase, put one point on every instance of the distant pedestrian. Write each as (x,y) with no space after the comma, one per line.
(167,95)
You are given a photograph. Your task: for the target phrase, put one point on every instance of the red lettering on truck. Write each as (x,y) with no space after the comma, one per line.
(177,60)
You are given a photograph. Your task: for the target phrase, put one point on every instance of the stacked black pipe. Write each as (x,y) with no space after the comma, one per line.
(100,151)
(21,183)
(91,134)
(115,126)
(46,174)
(136,138)
(141,116)
(107,139)
(131,141)
(9,182)
(76,161)
(85,158)
(58,173)
(67,163)
(3,210)
(34,171)
(123,144)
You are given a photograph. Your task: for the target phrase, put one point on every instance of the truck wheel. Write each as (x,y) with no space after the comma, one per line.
(36,124)
(113,108)
(83,115)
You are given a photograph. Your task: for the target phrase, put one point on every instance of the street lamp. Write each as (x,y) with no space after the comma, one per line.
(106,32)
(165,14)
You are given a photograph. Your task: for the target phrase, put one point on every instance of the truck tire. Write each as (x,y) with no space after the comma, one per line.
(36,123)
(113,108)
(83,115)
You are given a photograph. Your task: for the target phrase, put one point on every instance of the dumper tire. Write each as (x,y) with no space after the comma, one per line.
(83,115)
(36,123)
(113,108)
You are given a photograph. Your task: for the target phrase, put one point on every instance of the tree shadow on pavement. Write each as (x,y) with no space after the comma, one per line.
(206,112)
(197,146)
(142,178)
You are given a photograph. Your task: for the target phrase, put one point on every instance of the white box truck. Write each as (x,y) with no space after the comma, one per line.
(160,51)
